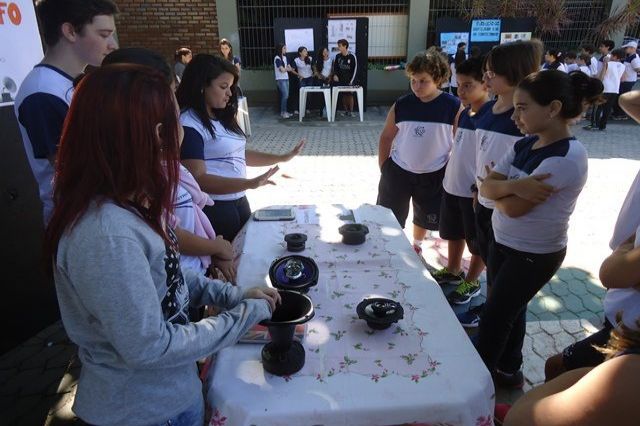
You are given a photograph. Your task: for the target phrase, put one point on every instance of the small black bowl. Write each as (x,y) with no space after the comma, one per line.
(353,233)
(379,312)
(295,242)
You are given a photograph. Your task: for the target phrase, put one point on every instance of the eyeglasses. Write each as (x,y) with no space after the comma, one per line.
(489,74)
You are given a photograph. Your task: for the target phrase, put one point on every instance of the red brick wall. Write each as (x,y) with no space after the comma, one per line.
(165,25)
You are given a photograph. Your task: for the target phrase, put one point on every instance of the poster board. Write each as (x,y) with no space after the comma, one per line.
(21,47)
(449,42)
(295,38)
(485,30)
(511,37)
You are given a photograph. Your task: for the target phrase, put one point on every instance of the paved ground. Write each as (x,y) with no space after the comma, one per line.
(339,165)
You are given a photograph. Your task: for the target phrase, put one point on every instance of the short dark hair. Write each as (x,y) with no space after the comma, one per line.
(53,13)
(196,77)
(515,61)
(619,53)
(141,56)
(589,48)
(555,53)
(461,44)
(180,52)
(573,90)
(343,42)
(585,57)
(609,44)
(472,67)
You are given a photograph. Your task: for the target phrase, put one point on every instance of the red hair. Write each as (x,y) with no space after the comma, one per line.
(109,150)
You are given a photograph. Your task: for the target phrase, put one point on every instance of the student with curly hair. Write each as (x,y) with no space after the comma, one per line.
(415,144)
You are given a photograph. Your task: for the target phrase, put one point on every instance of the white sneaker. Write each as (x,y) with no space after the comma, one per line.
(286,115)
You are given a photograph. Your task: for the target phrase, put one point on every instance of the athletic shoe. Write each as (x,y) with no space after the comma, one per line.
(343,113)
(443,276)
(597,129)
(619,117)
(470,318)
(508,380)
(465,291)
(588,127)
(286,115)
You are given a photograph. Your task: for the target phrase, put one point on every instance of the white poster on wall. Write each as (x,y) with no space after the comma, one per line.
(334,50)
(20,46)
(511,37)
(299,38)
(342,29)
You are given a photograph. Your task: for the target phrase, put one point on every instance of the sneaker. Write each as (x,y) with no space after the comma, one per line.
(443,276)
(588,127)
(286,115)
(343,113)
(597,129)
(619,117)
(508,380)
(465,291)
(471,318)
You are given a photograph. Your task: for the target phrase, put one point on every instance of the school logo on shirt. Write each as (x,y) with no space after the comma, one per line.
(483,143)
(419,131)
(458,138)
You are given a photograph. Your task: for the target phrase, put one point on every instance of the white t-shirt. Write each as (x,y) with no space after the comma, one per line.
(454,76)
(544,228)
(425,132)
(624,300)
(277,63)
(631,63)
(585,69)
(304,69)
(571,67)
(327,66)
(594,66)
(496,134)
(629,217)
(41,106)
(224,154)
(461,169)
(612,77)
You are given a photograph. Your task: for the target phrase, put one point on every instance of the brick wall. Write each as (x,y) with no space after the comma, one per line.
(165,25)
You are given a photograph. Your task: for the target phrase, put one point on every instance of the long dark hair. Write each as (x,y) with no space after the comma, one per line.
(573,90)
(460,57)
(197,76)
(319,63)
(124,161)
(226,42)
(279,47)
(307,59)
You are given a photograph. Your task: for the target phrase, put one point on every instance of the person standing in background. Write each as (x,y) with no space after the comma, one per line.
(183,57)
(226,50)
(345,67)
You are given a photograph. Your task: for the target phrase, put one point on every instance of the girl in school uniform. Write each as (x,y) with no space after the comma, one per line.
(415,144)
(303,67)
(534,187)
(281,69)
(214,148)
(505,66)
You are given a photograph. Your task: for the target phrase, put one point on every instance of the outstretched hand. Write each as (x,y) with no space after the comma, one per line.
(532,188)
(269,294)
(295,151)
(263,179)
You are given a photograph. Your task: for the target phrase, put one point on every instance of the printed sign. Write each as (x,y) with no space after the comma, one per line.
(299,37)
(485,30)
(511,37)
(20,48)
(449,42)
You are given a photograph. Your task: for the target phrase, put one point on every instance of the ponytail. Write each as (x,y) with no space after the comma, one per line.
(573,90)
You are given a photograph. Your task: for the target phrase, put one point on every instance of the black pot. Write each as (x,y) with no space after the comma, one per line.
(295,242)
(283,356)
(379,312)
(294,272)
(353,233)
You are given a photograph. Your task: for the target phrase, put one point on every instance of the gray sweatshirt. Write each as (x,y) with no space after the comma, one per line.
(124,301)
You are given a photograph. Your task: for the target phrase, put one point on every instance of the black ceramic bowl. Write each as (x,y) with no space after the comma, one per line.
(353,233)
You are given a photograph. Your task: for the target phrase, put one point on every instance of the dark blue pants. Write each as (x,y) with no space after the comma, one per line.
(228,217)
(516,277)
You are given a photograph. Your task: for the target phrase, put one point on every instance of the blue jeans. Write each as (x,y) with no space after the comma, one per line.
(192,416)
(283,88)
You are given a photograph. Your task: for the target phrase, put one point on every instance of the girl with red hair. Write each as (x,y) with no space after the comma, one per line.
(123,297)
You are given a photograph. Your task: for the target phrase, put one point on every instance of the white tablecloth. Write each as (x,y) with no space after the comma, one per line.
(423,369)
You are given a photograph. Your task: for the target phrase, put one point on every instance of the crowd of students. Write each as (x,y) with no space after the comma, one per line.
(143,183)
